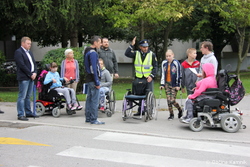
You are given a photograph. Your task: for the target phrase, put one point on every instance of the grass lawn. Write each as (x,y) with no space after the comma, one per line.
(119,86)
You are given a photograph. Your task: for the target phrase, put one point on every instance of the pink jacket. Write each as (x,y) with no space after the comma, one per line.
(208,82)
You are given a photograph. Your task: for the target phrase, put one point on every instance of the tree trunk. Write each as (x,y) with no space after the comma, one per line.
(166,35)
(142,33)
(64,40)
(73,38)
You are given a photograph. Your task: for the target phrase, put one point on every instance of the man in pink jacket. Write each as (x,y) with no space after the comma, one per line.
(208,81)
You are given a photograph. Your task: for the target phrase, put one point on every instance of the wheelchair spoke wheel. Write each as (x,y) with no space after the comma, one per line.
(112,101)
(196,125)
(56,112)
(40,109)
(125,105)
(231,123)
(151,104)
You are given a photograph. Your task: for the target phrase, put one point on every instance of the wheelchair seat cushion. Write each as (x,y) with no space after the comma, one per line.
(135,97)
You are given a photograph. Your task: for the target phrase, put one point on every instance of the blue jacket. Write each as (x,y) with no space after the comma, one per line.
(53,75)
(175,72)
(23,65)
(92,66)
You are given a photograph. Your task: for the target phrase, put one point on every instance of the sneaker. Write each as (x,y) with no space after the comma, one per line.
(180,114)
(186,121)
(102,108)
(78,107)
(70,107)
(171,117)
(139,113)
(97,122)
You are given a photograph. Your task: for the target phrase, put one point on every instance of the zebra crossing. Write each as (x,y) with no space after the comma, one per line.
(147,159)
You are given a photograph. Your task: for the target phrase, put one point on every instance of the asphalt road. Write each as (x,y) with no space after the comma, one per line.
(69,141)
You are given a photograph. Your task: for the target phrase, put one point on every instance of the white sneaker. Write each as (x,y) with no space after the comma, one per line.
(186,121)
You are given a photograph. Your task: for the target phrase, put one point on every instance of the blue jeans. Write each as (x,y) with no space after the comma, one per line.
(23,102)
(102,101)
(92,102)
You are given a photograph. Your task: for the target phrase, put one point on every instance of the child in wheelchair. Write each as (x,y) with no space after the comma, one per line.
(106,83)
(208,81)
(68,93)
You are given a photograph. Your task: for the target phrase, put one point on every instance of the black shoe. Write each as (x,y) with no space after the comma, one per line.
(1,112)
(23,118)
(180,114)
(171,117)
(139,113)
(32,116)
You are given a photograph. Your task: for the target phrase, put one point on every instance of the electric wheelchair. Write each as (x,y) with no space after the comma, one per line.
(216,112)
(49,100)
(146,105)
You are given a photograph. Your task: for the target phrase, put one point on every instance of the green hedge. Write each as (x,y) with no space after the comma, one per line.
(58,56)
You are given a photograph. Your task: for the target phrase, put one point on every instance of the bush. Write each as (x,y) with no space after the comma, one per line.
(58,56)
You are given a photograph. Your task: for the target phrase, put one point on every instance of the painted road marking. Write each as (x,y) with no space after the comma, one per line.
(176,143)
(9,140)
(132,158)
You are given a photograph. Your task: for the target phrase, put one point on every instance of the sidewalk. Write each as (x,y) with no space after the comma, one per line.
(160,127)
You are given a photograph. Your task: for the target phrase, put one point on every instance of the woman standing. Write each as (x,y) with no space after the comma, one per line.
(70,68)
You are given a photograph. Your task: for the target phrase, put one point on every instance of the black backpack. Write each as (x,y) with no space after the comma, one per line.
(140,86)
(236,91)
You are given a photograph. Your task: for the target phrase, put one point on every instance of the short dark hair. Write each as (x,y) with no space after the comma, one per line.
(53,65)
(94,38)
(208,45)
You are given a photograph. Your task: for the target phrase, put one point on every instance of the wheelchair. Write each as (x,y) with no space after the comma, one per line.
(146,103)
(216,112)
(49,100)
(110,103)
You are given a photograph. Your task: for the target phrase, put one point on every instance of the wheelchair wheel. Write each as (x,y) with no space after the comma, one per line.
(151,104)
(56,112)
(196,125)
(126,104)
(112,101)
(230,123)
(40,109)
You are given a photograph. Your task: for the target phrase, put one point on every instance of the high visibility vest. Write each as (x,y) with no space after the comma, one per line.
(143,69)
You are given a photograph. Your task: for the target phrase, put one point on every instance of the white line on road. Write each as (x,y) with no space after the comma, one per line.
(176,143)
(133,158)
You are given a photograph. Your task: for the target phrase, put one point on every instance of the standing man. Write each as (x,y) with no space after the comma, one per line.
(26,74)
(109,58)
(208,57)
(145,63)
(93,76)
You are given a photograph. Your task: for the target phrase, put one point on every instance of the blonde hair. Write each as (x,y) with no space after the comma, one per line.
(170,51)
(67,51)
(190,50)
(25,39)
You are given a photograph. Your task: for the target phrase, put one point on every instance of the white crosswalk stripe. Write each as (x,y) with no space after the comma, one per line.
(131,158)
(147,159)
(176,143)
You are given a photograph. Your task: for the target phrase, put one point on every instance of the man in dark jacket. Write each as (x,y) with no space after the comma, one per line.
(26,74)
(109,58)
(93,76)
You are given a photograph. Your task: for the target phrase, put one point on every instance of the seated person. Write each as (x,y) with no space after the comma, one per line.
(69,93)
(106,82)
(208,81)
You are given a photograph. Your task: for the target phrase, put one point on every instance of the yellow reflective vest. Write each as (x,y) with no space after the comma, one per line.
(143,69)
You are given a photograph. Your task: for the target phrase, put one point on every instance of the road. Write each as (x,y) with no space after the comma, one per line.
(68,141)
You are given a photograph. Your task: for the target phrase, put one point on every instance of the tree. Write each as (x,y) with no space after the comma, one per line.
(130,13)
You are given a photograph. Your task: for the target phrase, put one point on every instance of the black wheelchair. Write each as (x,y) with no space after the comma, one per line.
(216,112)
(146,104)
